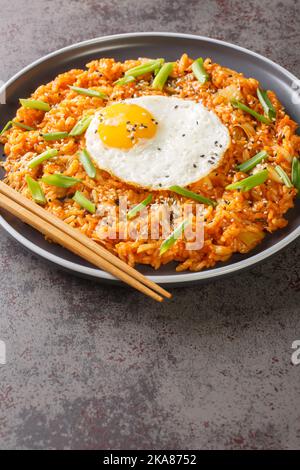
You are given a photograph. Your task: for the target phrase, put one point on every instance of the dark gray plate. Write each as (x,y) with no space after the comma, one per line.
(170,46)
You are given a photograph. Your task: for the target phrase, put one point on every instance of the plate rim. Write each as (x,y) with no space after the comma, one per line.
(176,278)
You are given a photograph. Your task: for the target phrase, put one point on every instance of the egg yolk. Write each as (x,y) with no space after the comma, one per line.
(122,125)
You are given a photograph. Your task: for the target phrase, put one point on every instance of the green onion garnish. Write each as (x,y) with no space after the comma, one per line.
(124,80)
(59,180)
(252,162)
(172,238)
(139,207)
(199,71)
(84,202)
(35,189)
(89,92)
(42,157)
(250,182)
(296,173)
(35,104)
(55,135)
(162,76)
(22,126)
(147,67)
(157,69)
(243,107)
(283,176)
(81,126)
(87,163)
(266,104)
(192,195)
(131,74)
(17,124)
(6,127)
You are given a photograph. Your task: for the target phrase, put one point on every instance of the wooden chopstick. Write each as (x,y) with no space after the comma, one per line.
(64,234)
(71,244)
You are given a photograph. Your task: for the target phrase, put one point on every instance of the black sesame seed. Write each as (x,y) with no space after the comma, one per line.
(158,148)
(194,165)
(183,135)
(176,106)
(202,156)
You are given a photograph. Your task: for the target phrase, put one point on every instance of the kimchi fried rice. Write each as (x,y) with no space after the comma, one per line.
(235,224)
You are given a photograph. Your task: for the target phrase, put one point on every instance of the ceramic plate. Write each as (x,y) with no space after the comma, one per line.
(170,46)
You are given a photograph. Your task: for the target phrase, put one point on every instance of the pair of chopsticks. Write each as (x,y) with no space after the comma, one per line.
(72,239)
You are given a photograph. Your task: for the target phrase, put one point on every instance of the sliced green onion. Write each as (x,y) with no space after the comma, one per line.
(172,238)
(35,104)
(266,104)
(192,195)
(17,124)
(89,92)
(162,76)
(243,107)
(22,126)
(125,80)
(6,127)
(157,69)
(296,173)
(147,67)
(55,135)
(87,163)
(35,189)
(252,162)
(84,202)
(59,180)
(250,182)
(42,157)
(139,207)
(199,71)
(81,126)
(283,176)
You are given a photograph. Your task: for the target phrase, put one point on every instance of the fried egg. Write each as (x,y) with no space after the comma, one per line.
(157,141)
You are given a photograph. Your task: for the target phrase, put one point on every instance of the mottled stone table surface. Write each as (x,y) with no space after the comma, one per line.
(90,366)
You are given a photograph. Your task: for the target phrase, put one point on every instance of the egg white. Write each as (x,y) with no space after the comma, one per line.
(189,143)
